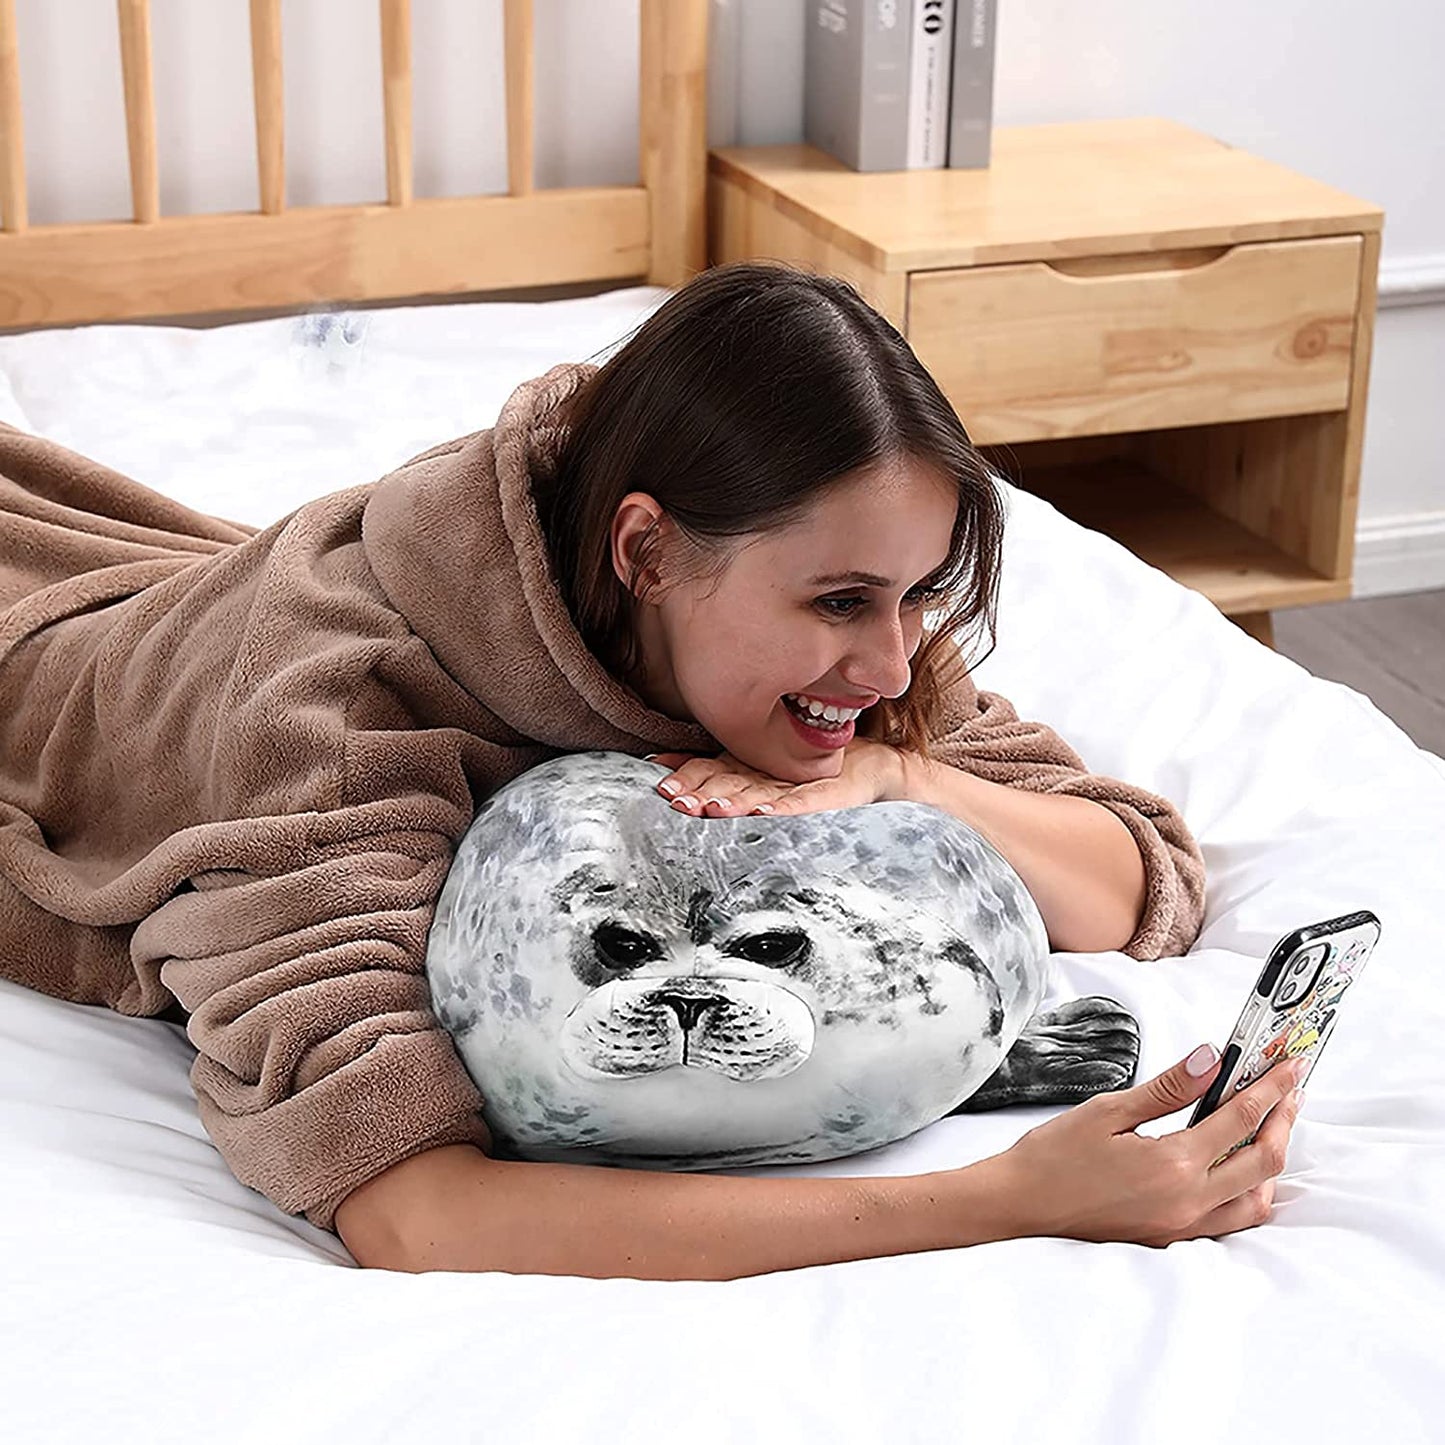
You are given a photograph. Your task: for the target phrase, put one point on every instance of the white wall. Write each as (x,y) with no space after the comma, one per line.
(1339,90)
(1348,93)
(75,148)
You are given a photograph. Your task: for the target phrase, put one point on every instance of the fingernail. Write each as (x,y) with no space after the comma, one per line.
(669,788)
(1299,1098)
(718,802)
(1201,1061)
(1297,1069)
(684,803)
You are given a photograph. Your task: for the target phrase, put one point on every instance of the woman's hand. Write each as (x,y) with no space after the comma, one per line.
(1086,1174)
(722,787)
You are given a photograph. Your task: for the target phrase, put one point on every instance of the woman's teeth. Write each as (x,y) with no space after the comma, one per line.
(820,714)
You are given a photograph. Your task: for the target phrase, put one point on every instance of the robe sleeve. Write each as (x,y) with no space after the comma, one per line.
(321,1062)
(983,735)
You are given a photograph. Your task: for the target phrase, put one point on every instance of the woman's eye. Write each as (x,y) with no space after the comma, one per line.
(846,606)
(927,594)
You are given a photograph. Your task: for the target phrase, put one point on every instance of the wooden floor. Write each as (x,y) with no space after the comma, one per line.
(1392,649)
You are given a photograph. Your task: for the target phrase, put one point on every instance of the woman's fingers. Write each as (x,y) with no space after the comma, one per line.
(684,783)
(726,795)
(1165,1093)
(1252,1207)
(1243,1185)
(1248,1169)
(715,792)
(1247,1111)
(721,787)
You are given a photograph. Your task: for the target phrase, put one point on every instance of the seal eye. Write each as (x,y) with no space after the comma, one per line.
(624,947)
(776,948)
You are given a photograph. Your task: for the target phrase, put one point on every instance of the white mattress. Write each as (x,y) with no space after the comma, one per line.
(145,1295)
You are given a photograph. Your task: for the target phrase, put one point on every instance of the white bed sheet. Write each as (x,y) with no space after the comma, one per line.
(146,1295)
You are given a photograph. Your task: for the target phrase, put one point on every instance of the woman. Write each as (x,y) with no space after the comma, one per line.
(234,768)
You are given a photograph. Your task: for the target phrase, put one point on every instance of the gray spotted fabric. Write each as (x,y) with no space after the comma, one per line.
(630,985)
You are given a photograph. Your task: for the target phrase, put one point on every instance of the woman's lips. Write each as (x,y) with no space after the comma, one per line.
(829,738)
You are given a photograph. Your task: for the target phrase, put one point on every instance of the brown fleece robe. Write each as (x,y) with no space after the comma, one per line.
(234,767)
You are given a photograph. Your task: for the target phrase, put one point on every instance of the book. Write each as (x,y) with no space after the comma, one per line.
(929,76)
(970,113)
(855,81)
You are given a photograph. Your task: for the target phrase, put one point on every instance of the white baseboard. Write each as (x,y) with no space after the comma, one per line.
(1400,554)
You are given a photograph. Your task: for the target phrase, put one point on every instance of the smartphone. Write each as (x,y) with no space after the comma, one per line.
(1292,1010)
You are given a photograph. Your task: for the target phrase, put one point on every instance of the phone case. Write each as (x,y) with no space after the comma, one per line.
(1293,1008)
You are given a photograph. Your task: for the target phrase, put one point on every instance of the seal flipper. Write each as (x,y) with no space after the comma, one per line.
(1087,1046)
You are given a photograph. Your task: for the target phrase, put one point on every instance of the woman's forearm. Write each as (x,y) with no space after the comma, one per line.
(454,1208)
(1076,857)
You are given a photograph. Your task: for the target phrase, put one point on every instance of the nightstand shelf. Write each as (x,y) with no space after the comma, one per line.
(1166,336)
(1173,530)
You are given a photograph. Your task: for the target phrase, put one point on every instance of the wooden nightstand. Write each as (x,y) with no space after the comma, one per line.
(1167,338)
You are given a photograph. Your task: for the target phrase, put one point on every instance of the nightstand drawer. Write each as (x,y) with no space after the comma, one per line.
(1128,343)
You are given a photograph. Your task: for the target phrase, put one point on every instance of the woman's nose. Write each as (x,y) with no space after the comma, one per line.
(880,660)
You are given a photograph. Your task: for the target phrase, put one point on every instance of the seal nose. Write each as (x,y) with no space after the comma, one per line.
(688,1007)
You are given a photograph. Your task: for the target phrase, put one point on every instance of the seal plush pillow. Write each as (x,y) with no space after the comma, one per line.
(630,985)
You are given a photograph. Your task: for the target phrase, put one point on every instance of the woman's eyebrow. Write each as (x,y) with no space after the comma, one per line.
(865,579)
(836,579)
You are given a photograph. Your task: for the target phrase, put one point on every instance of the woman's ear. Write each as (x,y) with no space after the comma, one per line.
(638,527)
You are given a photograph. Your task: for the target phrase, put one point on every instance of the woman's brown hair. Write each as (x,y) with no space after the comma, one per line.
(745,394)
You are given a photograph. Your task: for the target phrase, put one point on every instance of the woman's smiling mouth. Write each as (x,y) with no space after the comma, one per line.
(818,723)
(822,709)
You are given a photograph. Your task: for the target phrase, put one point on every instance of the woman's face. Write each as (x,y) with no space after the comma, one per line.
(825,612)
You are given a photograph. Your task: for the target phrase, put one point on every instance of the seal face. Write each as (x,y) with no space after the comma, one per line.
(630,985)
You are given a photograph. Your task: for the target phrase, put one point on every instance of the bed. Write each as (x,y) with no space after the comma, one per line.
(146,1295)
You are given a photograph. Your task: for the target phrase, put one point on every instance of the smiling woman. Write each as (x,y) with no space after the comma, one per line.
(239,764)
(762,492)
(770,522)
(757,629)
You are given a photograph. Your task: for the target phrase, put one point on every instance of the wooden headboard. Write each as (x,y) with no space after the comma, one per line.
(280,256)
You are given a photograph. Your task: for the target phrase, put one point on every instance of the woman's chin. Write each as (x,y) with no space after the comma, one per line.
(765,756)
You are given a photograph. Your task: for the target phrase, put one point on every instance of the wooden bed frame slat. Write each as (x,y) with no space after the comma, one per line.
(396,81)
(518,32)
(327,255)
(673,116)
(283,257)
(13,214)
(266,76)
(140,107)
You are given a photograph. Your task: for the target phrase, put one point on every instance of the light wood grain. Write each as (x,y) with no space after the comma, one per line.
(1029,350)
(1354,438)
(519,43)
(140,107)
(207,265)
(1270,488)
(1259,625)
(396,95)
(1239,571)
(1083,188)
(741,225)
(1167,336)
(267,83)
(187,265)
(1282,478)
(14,214)
(672,144)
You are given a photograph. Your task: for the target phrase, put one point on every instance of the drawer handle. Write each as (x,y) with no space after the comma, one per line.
(1088,267)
